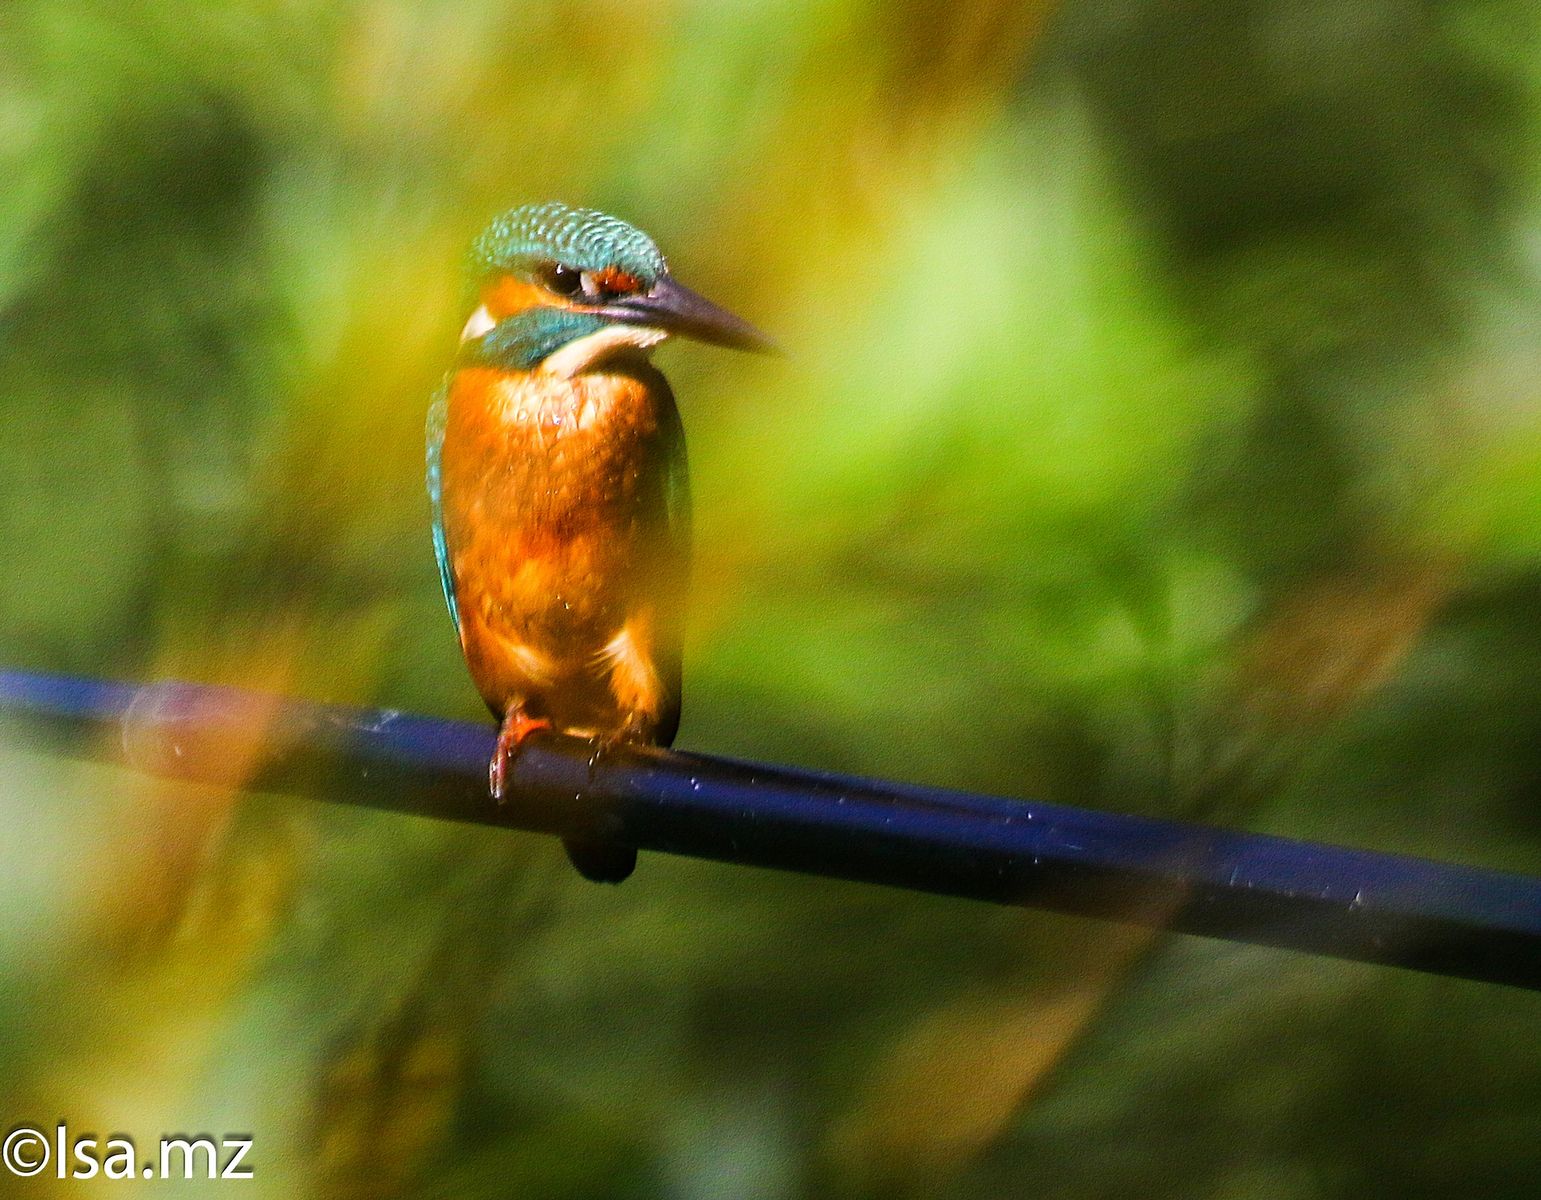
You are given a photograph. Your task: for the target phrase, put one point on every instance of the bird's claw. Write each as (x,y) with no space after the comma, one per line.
(512,734)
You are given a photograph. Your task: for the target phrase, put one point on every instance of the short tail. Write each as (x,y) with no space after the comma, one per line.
(600,859)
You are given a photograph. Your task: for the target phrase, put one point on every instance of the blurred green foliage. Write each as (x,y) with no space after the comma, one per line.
(1161,432)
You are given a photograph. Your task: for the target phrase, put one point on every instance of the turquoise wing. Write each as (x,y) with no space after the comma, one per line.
(670,554)
(438,412)
(677,505)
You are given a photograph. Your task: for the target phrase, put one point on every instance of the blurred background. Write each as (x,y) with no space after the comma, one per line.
(1161,432)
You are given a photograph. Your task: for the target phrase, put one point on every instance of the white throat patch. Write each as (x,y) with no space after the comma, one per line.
(584,352)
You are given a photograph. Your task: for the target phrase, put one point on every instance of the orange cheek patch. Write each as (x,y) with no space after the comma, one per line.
(508,294)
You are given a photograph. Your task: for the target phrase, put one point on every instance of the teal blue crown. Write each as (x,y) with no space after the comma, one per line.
(580,238)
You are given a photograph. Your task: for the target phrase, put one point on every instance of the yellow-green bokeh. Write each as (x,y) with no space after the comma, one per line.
(1160,431)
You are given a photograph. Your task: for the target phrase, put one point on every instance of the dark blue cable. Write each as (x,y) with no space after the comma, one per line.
(1322,899)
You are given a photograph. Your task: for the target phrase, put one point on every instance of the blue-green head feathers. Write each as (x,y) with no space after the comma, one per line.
(588,272)
(523,239)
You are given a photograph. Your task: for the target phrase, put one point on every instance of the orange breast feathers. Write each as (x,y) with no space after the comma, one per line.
(554,517)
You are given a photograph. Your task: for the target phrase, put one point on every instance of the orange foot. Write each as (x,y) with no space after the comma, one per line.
(517,726)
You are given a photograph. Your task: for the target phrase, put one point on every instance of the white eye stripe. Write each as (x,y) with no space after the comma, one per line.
(479,324)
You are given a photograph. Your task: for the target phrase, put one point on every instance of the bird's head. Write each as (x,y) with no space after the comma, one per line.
(562,287)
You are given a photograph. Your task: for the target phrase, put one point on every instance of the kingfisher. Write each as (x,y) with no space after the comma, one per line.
(559,489)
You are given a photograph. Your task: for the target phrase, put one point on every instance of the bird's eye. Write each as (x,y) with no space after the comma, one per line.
(563,280)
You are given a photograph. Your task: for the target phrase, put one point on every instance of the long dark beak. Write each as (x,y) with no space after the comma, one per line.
(674,307)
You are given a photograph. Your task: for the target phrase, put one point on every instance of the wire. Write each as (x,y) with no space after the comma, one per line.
(1321,899)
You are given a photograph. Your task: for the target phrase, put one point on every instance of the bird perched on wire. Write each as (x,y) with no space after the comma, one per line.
(559,490)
